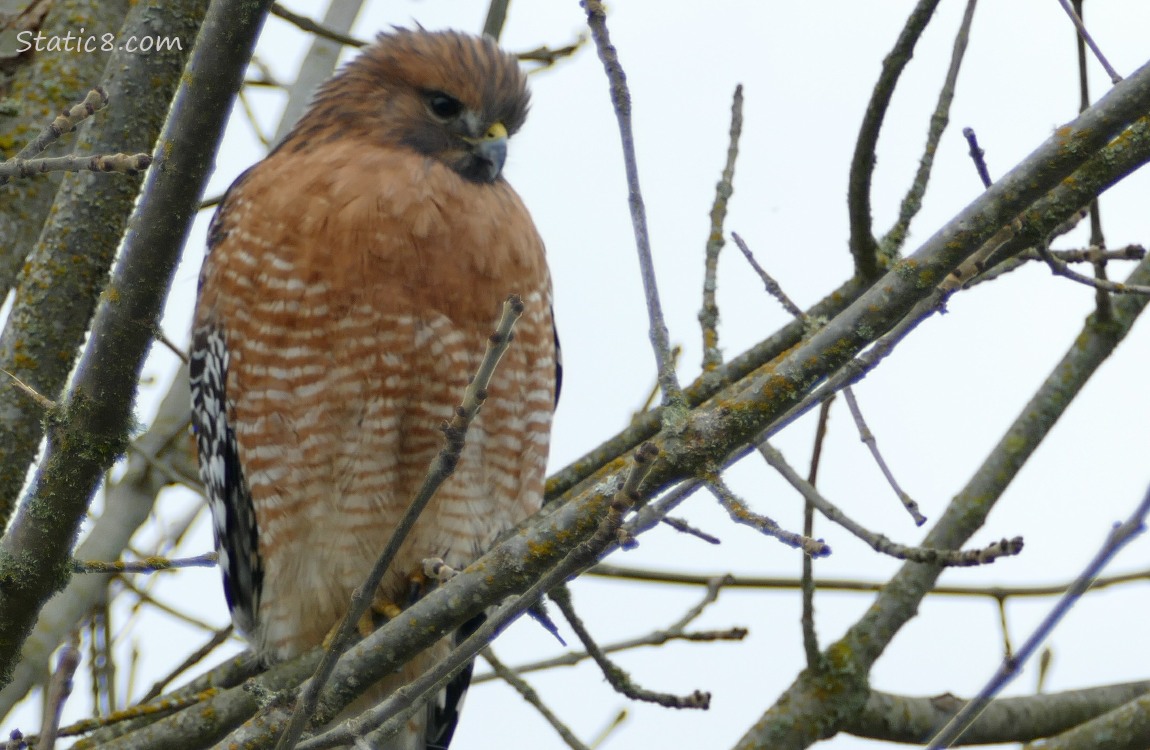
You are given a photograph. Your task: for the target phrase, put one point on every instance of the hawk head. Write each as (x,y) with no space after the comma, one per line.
(449,96)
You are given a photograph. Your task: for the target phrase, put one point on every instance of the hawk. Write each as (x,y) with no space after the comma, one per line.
(350,283)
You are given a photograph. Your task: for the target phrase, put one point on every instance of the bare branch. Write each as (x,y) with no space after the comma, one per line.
(911,719)
(218,639)
(303,23)
(122,163)
(59,688)
(769,282)
(869,440)
(1060,268)
(1118,538)
(675,407)
(879,542)
(677,631)
(618,678)
(855,585)
(66,122)
(894,239)
(864,248)
(709,315)
(978,156)
(683,527)
(741,514)
(528,693)
(147,565)
(807,580)
(1082,32)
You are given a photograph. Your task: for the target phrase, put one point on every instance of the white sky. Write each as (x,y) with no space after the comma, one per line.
(937,405)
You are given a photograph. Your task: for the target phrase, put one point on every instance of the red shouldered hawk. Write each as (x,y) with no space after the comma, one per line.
(351,280)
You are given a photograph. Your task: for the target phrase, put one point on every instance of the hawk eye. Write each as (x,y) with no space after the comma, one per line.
(443,106)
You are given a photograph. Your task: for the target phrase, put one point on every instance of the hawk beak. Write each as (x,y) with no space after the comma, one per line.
(491,150)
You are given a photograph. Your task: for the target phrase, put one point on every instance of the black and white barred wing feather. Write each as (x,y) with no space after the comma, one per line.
(233,515)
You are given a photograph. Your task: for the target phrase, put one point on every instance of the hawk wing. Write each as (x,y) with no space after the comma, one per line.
(233,515)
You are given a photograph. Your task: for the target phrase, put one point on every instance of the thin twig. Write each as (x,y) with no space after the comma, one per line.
(123,163)
(66,122)
(619,679)
(45,403)
(1004,623)
(674,417)
(978,156)
(1030,255)
(880,543)
(683,527)
(547,57)
(854,585)
(218,638)
(1118,537)
(304,23)
(911,204)
(1059,268)
(1110,71)
(656,638)
(676,631)
(606,731)
(146,598)
(253,121)
(739,512)
(769,282)
(676,352)
(59,688)
(869,440)
(807,580)
(441,468)
(1103,305)
(709,315)
(147,565)
(528,694)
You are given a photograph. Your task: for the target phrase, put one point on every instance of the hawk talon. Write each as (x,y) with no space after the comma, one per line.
(437,570)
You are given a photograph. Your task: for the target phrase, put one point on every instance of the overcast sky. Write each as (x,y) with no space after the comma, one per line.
(937,405)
